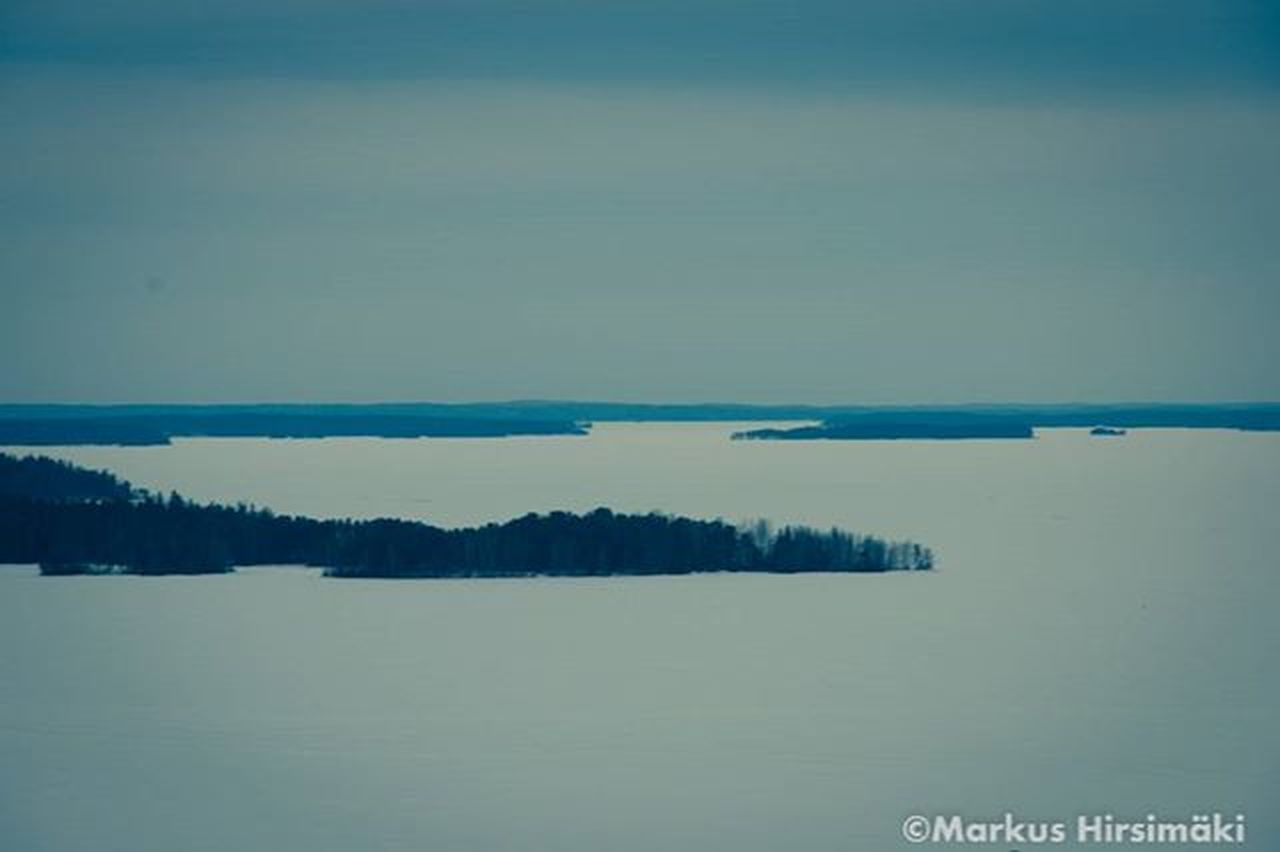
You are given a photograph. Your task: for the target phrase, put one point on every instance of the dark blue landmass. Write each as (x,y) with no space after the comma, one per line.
(36,425)
(874,428)
(150,425)
(963,422)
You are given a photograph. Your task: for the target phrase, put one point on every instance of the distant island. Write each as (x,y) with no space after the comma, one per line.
(141,425)
(1107,431)
(75,521)
(962,422)
(895,427)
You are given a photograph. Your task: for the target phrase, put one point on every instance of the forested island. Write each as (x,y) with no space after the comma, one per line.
(995,421)
(75,521)
(892,427)
(47,425)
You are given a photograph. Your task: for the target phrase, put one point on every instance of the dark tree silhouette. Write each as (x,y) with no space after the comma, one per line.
(101,525)
(48,479)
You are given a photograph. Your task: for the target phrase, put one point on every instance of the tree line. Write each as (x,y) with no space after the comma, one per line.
(73,526)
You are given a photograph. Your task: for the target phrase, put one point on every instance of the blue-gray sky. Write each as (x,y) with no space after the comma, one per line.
(934,201)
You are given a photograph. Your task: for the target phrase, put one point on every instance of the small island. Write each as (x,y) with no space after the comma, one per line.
(1107,431)
(75,521)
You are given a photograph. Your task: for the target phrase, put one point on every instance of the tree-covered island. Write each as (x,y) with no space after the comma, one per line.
(76,521)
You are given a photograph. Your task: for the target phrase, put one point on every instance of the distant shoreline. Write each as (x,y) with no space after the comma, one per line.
(157,425)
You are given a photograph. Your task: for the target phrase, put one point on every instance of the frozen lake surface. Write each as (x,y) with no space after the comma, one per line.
(1100,637)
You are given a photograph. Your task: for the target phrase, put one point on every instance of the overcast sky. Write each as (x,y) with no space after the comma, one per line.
(933,201)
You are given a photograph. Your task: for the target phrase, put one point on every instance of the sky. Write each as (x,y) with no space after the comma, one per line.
(825,202)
